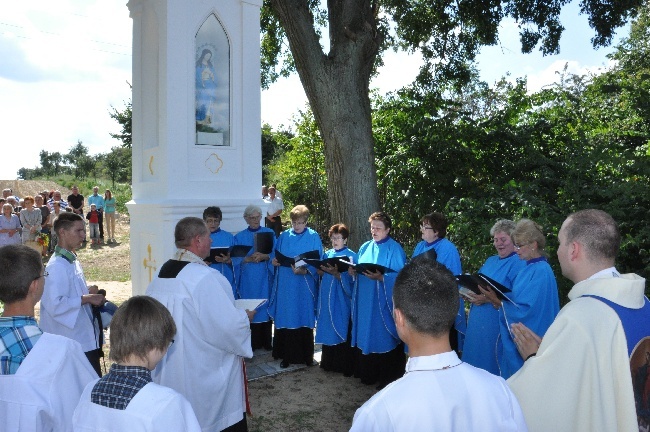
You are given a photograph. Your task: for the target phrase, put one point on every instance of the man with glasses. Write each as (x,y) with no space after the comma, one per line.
(41,375)
(66,307)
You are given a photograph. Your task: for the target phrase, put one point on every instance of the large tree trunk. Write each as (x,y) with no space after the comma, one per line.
(336,85)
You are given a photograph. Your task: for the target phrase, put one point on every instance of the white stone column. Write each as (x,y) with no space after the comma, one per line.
(172,176)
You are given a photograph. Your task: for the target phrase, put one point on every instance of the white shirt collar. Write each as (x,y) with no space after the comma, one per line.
(605,273)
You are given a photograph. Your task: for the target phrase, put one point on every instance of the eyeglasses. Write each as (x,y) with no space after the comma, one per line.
(44,275)
(170,344)
(212,221)
(253,217)
(424,227)
(519,246)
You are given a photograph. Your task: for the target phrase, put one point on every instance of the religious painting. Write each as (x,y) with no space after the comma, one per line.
(212,84)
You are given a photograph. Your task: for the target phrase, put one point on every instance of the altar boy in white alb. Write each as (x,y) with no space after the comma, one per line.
(41,375)
(205,363)
(438,391)
(126,399)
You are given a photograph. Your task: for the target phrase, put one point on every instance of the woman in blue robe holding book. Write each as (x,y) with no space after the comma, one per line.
(380,353)
(293,301)
(534,296)
(483,321)
(434,231)
(334,306)
(220,239)
(255,276)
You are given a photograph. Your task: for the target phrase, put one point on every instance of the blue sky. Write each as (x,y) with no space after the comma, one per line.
(65,63)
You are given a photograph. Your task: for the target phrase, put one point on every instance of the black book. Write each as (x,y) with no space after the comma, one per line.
(341,266)
(263,242)
(369,267)
(219,251)
(297,261)
(239,251)
(472,282)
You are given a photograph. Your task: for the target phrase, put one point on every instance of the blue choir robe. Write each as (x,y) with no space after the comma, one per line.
(448,255)
(483,321)
(221,238)
(293,299)
(535,295)
(254,280)
(334,303)
(373,327)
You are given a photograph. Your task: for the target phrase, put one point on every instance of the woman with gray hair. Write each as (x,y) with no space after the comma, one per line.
(254,276)
(534,296)
(9,226)
(483,321)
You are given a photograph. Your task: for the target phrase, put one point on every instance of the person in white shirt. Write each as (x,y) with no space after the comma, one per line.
(42,375)
(438,391)
(126,399)
(273,212)
(205,363)
(66,307)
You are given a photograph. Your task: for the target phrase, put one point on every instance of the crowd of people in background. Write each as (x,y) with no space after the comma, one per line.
(29,220)
(390,320)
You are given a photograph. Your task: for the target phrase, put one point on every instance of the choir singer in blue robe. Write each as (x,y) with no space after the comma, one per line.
(534,296)
(380,351)
(255,277)
(434,232)
(483,320)
(333,312)
(293,301)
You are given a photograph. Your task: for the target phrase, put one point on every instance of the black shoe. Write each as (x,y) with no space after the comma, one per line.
(284,364)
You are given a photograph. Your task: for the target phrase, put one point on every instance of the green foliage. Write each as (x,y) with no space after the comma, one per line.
(124,118)
(299,172)
(274,144)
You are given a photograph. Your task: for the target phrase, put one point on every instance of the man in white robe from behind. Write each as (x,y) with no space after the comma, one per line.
(42,375)
(438,392)
(577,378)
(205,363)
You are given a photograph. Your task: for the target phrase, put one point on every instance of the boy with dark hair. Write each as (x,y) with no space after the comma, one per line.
(438,391)
(126,398)
(41,375)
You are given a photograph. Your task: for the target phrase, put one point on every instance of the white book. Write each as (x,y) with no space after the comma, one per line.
(249,304)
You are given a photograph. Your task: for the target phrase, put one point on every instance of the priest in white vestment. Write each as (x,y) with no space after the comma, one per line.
(205,363)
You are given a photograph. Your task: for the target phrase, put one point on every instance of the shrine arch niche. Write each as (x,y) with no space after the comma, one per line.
(212,84)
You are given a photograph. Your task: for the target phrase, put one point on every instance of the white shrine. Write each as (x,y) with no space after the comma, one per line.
(196,120)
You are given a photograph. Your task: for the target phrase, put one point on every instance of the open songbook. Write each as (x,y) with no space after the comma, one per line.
(297,261)
(468,284)
(249,304)
(233,251)
(338,262)
(369,267)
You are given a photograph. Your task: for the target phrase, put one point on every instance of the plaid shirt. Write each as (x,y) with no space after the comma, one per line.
(18,335)
(119,386)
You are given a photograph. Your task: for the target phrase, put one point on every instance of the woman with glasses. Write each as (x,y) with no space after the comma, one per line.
(293,302)
(333,311)
(479,349)
(380,353)
(254,276)
(434,231)
(220,239)
(534,296)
